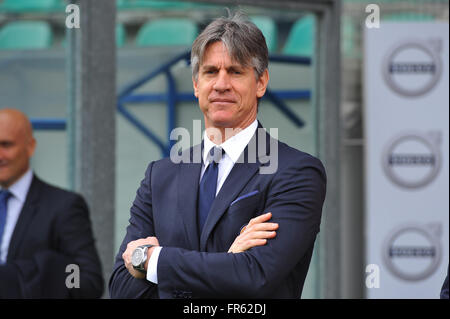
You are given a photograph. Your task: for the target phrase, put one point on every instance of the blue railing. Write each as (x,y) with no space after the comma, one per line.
(172,97)
(48,124)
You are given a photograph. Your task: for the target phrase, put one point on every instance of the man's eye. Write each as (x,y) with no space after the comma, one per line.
(6,144)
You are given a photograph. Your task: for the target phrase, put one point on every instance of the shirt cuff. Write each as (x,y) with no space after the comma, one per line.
(152,267)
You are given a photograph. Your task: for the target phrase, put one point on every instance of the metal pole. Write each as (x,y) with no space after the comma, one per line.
(328,60)
(92,123)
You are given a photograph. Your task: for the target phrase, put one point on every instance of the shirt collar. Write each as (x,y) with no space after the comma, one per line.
(20,188)
(234,146)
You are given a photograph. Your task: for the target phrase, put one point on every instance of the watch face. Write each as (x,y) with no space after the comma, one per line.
(136,257)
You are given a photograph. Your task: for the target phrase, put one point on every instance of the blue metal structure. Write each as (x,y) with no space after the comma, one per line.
(172,97)
(49,124)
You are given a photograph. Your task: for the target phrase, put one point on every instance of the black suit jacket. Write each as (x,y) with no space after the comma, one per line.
(194,265)
(444,289)
(52,232)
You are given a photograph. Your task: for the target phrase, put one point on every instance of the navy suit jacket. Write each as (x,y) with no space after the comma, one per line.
(52,232)
(194,265)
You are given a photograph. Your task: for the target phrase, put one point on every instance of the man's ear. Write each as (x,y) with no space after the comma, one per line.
(195,87)
(31,147)
(262,83)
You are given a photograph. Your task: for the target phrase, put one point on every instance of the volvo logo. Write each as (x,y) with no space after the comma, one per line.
(412,68)
(412,159)
(413,252)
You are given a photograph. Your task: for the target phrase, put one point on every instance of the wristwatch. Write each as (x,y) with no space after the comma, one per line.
(139,257)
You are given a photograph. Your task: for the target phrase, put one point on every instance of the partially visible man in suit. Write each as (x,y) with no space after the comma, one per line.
(444,288)
(183,238)
(47,248)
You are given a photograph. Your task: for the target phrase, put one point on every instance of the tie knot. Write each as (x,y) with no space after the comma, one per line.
(215,154)
(4,195)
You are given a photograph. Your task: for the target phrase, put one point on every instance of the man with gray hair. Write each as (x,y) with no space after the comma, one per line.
(202,230)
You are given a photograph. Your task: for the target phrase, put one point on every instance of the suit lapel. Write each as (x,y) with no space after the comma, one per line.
(235,182)
(27,214)
(243,170)
(188,180)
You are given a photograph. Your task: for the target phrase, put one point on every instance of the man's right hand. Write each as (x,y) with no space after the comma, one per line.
(254,234)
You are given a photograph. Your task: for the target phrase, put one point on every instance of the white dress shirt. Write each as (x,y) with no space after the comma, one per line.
(19,191)
(233,147)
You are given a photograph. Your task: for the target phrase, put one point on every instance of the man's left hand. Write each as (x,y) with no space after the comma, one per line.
(132,245)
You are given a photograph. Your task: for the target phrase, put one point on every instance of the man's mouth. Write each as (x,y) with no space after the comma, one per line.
(222,101)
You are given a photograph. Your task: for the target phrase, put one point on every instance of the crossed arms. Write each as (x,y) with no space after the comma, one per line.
(260,264)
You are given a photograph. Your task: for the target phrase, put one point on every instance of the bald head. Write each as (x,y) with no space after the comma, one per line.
(16,146)
(17,121)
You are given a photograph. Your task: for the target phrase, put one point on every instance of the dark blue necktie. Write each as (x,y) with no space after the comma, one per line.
(208,185)
(4,196)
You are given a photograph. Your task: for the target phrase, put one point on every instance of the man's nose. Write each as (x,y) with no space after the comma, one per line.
(222,83)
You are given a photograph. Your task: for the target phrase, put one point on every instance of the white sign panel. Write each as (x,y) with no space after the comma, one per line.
(406,80)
